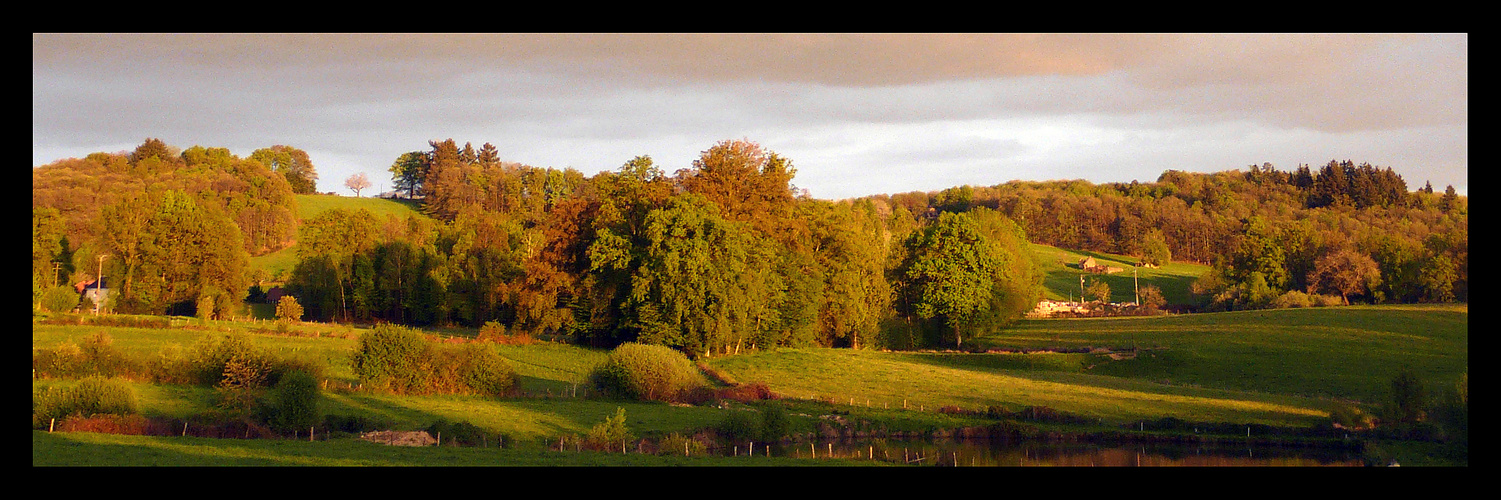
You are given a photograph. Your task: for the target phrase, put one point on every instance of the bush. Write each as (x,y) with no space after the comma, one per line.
(400,360)
(60,299)
(92,396)
(288,310)
(774,423)
(611,433)
(461,434)
(676,443)
(647,372)
(483,371)
(97,355)
(294,401)
(391,357)
(740,426)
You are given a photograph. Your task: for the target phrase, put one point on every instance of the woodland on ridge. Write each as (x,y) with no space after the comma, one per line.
(723,255)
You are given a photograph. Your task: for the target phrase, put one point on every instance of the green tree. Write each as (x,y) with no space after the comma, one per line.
(288,310)
(1099,290)
(696,285)
(408,172)
(1154,249)
(291,163)
(295,399)
(950,274)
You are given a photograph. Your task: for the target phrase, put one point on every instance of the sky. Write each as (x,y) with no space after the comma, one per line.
(856,113)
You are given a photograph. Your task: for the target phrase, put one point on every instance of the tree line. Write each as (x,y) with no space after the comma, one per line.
(725,254)
(173,229)
(718,257)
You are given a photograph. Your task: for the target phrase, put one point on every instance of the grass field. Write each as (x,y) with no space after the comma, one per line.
(1061,273)
(281,262)
(1276,367)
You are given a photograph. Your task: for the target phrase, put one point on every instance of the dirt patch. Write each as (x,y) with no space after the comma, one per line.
(399,438)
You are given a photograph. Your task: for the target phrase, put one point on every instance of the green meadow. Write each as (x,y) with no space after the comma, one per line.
(1276,367)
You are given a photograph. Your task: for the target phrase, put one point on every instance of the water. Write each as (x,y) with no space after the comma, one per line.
(1004,453)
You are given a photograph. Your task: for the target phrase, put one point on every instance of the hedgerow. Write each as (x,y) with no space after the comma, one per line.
(400,360)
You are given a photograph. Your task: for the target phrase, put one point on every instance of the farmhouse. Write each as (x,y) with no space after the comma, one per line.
(94,290)
(1089,265)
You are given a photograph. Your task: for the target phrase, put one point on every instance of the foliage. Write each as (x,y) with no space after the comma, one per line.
(966,277)
(91,396)
(398,359)
(288,310)
(676,443)
(612,434)
(645,371)
(392,357)
(294,401)
(59,299)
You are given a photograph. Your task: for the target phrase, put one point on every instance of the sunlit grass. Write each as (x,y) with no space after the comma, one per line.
(927,382)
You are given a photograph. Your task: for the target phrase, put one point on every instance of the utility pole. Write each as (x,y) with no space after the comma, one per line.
(1136,284)
(99,284)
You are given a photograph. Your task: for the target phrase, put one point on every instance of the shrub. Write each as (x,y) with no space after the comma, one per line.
(209,359)
(92,396)
(611,433)
(1292,299)
(774,423)
(461,434)
(675,443)
(97,355)
(288,310)
(392,357)
(294,401)
(400,360)
(483,371)
(59,299)
(740,426)
(642,371)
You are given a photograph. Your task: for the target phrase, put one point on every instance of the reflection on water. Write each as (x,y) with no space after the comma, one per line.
(997,453)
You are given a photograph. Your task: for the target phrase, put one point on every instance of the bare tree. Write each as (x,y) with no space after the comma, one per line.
(357,182)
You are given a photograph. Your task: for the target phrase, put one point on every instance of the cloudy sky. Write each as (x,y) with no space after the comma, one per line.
(857,114)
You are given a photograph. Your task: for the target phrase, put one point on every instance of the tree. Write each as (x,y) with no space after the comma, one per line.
(291,163)
(1099,290)
(949,274)
(1154,249)
(1409,399)
(1345,271)
(288,310)
(357,182)
(408,172)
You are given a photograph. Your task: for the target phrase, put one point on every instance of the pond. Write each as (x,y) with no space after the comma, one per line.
(1009,453)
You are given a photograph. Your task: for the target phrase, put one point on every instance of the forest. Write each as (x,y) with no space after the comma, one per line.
(722,256)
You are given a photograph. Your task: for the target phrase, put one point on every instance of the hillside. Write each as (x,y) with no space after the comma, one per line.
(1061,273)
(277,265)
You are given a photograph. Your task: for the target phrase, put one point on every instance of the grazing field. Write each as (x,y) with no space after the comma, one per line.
(1284,368)
(1060,269)
(280,263)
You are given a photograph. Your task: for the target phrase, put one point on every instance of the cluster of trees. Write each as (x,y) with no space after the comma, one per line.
(170,229)
(718,257)
(722,255)
(1346,230)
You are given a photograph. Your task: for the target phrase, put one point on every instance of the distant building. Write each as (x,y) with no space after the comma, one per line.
(1090,266)
(274,295)
(94,290)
